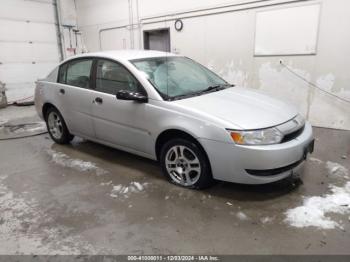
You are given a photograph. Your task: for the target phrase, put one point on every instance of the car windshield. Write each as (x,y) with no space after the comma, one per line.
(179,77)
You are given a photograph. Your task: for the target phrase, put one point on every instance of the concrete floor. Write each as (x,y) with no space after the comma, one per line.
(72,200)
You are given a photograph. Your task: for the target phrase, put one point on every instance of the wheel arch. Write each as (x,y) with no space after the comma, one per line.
(46,107)
(169,134)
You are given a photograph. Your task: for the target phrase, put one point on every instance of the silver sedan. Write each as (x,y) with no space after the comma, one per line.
(172,109)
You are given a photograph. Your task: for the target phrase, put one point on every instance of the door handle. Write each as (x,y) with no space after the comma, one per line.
(98,100)
(62,91)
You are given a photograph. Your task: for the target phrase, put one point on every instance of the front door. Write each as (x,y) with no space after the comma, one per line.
(119,122)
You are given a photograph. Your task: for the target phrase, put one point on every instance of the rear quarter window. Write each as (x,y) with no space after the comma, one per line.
(62,74)
(52,77)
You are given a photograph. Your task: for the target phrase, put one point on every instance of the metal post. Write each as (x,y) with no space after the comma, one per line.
(58,29)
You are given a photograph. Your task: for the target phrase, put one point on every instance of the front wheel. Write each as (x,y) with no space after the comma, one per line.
(185,163)
(57,127)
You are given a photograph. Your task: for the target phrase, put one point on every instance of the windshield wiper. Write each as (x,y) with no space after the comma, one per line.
(208,89)
(216,87)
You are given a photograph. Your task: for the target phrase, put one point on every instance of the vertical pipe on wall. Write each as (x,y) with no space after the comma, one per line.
(139,24)
(131,24)
(58,30)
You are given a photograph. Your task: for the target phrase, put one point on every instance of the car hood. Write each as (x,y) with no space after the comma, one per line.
(242,107)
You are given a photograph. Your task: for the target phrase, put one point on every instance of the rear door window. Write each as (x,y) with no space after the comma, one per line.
(78,73)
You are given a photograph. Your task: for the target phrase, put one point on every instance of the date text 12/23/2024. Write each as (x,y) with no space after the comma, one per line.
(173,258)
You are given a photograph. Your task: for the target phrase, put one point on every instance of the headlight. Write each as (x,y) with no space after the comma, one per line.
(267,136)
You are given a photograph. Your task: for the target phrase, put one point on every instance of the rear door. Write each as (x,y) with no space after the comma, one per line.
(119,122)
(75,92)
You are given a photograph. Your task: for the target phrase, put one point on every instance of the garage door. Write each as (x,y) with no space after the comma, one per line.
(28,44)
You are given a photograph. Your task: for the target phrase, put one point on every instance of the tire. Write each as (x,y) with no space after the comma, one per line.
(185,163)
(56,126)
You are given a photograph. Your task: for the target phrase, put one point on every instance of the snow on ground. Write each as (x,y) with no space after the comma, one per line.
(316,211)
(240,215)
(266,220)
(24,228)
(125,191)
(77,164)
(106,183)
(319,211)
(337,169)
(316,160)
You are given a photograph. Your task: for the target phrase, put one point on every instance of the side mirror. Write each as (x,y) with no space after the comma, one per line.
(132,96)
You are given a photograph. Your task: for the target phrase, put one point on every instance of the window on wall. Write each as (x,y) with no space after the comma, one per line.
(287,31)
(112,77)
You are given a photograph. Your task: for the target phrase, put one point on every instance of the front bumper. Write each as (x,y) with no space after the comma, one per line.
(257,164)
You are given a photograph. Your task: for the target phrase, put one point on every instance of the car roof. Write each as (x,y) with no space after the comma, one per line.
(125,54)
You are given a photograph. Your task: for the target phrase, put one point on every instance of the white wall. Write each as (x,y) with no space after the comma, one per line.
(28,44)
(71,40)
(221,35)
(31,43)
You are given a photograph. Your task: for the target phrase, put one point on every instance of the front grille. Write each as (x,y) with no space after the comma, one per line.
(275,171)
(293,135)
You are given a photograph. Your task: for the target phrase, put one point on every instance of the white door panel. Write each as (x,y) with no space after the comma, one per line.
(39,11)
(12,73)
(12,52)
(121,122)
(23,31)
(77,109)
(28,45)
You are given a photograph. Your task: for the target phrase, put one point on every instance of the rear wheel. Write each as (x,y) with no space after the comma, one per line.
(56,127)
(184,163)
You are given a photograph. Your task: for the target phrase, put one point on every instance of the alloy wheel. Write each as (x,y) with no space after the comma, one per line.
(183,165)
(55,125)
